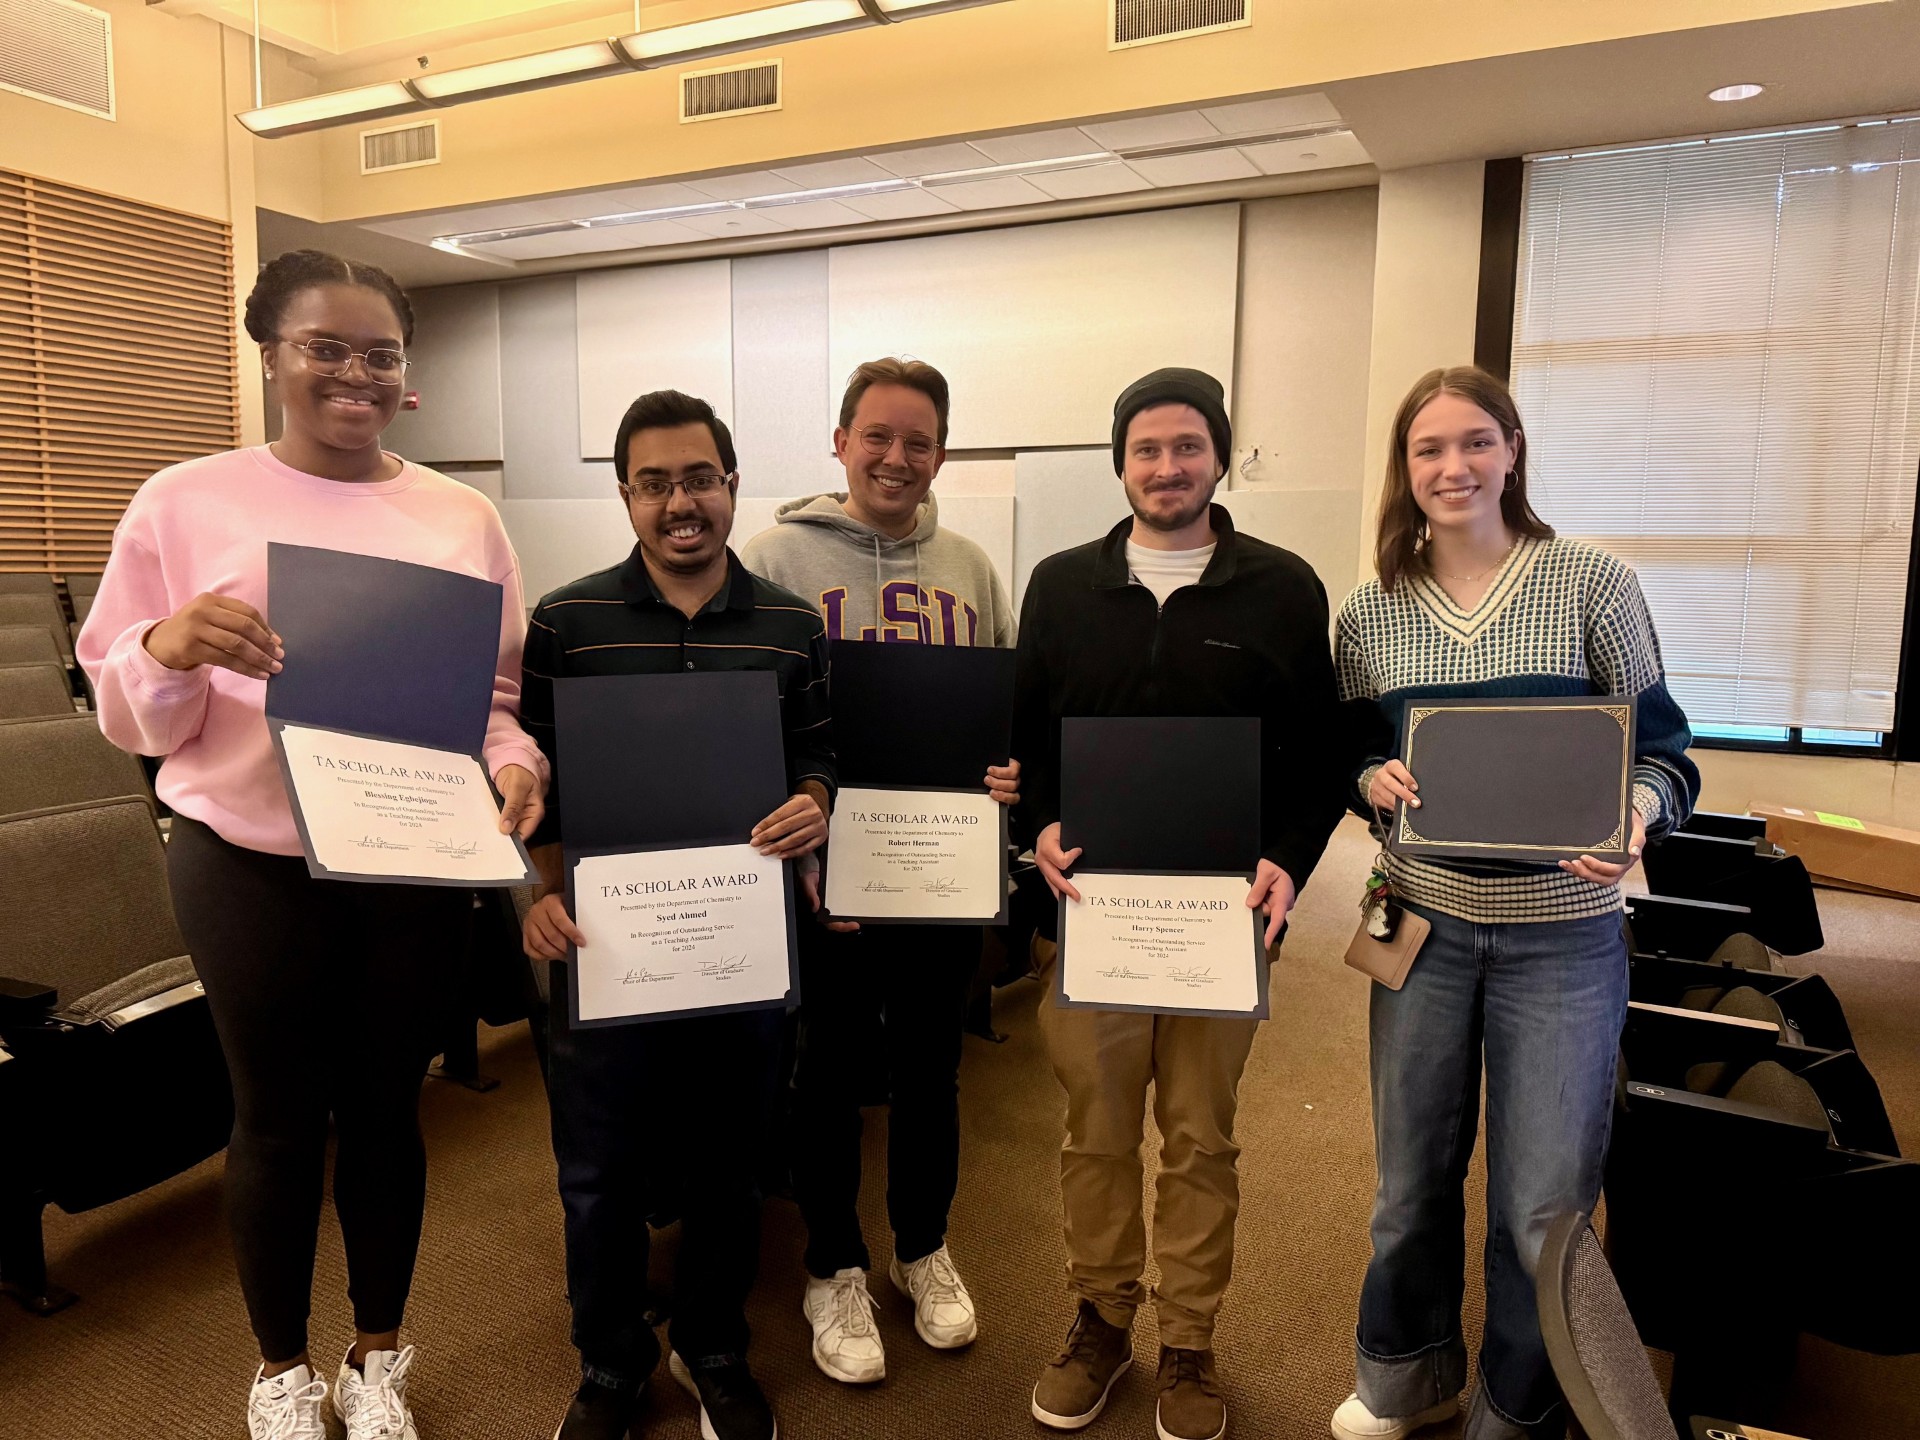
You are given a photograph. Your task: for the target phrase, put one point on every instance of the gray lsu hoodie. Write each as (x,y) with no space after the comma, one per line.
(934,586)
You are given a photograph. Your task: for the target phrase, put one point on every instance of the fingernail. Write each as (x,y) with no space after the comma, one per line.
(1416,802)
(279,651)
(278,667)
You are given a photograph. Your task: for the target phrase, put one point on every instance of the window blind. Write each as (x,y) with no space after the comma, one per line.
(1715,361)
(117,358)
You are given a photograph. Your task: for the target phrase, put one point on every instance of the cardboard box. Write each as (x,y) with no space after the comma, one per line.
(1840,850)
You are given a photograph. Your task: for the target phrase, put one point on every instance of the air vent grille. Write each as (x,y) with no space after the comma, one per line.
(737,90)
(400,147)
(59,51)
(1146,22)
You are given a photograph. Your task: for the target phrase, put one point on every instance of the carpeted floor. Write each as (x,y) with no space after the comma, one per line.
(159,1343)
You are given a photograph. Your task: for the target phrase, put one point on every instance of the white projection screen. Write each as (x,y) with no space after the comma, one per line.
(1039,327)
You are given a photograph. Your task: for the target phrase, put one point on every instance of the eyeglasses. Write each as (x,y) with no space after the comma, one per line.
(699,486)
(878,440)
(332,358)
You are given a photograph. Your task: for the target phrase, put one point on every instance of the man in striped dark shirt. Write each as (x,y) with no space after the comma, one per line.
(673,1105)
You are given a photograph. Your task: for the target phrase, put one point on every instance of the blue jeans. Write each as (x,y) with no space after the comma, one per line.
(1545,1002)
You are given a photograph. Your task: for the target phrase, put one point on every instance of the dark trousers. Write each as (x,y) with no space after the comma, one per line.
(329,998)
(880,1017)
(675,1107)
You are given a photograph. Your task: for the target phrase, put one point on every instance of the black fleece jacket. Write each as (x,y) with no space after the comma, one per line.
(1249,638)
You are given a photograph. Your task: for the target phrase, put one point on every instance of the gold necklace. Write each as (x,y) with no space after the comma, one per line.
(1469,579)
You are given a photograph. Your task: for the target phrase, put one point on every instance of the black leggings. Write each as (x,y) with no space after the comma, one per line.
(329,998)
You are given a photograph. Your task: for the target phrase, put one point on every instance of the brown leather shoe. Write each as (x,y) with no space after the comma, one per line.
(1073,1389)
(1190,1407)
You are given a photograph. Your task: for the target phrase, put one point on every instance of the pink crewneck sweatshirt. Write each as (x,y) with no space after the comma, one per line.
(203,527)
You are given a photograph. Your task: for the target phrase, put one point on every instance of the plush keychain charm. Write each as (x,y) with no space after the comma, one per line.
(1377,905)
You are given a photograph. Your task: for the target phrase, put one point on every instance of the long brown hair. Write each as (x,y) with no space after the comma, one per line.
(1400,543)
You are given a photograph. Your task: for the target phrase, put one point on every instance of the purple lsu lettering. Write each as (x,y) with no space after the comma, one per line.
(908,613)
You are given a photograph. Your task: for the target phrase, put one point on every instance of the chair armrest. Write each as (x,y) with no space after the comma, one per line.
(25,1001)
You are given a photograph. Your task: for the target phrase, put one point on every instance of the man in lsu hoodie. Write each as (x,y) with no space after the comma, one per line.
(880,568)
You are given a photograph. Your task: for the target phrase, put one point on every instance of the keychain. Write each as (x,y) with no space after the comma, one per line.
(1377,906)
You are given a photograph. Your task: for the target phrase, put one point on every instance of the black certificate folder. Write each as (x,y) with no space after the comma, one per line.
(1162,793)
(386,651)
(1535,779)
(925,717)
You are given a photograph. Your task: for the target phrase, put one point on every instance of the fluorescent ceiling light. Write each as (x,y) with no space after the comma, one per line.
(748,30)
(905,9)
(642,217)
(316,112)
(520,72)
(1735,92)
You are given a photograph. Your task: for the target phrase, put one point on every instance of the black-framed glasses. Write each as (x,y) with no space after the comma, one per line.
(700,485)
(878,440)
(332,358)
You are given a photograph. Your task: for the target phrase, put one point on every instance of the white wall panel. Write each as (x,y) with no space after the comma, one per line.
(784,399)
(1039,327)
(540,395)
(661,327)
(987,520)
(973,477)
(1322,527)
(456,369)
(1062,498)
(560,540)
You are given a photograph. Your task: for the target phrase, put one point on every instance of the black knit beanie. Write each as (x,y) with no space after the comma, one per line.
(1174,386)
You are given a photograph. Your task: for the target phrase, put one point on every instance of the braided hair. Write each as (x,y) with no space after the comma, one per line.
(287,275)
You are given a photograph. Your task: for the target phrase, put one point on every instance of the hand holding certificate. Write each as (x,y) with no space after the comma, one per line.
(380,715)
(915,834)
(679,913)
(1163,922)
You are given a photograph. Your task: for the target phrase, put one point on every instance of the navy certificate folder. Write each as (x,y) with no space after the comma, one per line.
(921,717)
(1166,793)
(382,647)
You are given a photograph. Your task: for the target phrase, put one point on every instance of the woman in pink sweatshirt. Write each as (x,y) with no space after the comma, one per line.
(328,996)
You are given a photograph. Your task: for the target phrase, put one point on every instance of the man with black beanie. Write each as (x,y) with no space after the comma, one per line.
(1173,613)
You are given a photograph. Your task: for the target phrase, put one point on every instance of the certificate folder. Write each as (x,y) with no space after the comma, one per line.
(401,659)
(912,723)
(680,768)
(1535,779)
(1167,811)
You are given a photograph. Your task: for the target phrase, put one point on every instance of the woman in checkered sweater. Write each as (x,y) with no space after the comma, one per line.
(1525,965)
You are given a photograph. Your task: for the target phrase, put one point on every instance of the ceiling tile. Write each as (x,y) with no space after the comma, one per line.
(992,194)
(636,197)
(1318,152)
(1037,145)
(814,215)
(1209,165)
(900,205)
(932,159)
(1263,117)
(1113,178)
(742,187)
(831,172)
(1174,129)
(589,242)
(732,224)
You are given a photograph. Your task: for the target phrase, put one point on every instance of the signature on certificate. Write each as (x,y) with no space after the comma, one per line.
(945,885)
(724,968)
(1191,974)
(378,842)
(1121,972)
(880,887)
(457,849)
(644,976)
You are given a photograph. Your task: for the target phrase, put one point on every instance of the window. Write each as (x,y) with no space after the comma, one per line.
(1715,353)
(117,358)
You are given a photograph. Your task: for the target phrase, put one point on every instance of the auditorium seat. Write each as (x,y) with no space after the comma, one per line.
(1753,873)
(31,690)
(1594,1346)
(1688,929)
(28,645)
(27,582)
(40,609)
(83,582)
(1701,822)
(63,760)
(82,607)
(128,1082)
(1803,1005)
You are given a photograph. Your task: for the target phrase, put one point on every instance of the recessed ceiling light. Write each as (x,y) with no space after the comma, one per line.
(1309,154)
(1735,92)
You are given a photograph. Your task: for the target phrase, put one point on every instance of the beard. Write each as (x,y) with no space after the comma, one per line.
(1186,515)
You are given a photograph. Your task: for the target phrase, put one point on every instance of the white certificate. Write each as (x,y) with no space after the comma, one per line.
(1171,944)
(380,810)
(916,855)
(671,931)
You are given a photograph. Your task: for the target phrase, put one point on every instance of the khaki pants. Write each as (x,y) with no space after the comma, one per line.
(1104,1060)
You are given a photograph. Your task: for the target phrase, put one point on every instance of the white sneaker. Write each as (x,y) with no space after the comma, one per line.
(1353,1421)
(846,1343)
(373,1405)
(287,1406)
(942,1308)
